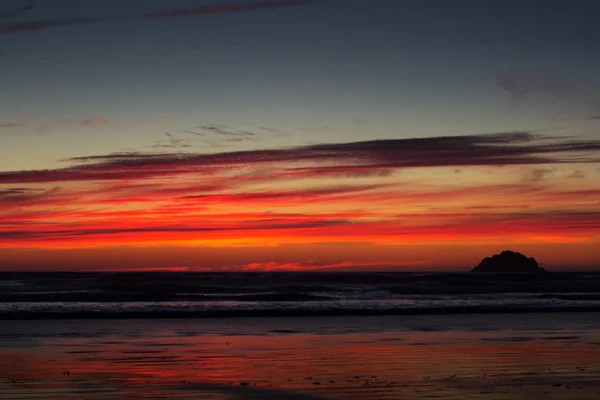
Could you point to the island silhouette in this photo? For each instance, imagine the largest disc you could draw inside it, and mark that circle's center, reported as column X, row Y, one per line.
column 509, row 261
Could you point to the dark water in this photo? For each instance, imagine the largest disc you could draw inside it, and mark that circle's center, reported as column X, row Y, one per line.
column 176, row 294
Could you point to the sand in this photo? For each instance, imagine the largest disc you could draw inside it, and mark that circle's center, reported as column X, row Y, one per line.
column 527, row 356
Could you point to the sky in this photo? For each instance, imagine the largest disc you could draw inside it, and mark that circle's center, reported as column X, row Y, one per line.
column 298, row 135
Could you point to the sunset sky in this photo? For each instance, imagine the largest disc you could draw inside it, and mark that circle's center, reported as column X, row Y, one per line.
column 298, row 134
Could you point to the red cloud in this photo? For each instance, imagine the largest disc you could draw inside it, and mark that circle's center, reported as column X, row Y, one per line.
column 283, row 197
column 107, row 228
column 315, row 266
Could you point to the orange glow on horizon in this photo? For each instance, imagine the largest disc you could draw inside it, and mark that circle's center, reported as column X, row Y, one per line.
column 270, row 205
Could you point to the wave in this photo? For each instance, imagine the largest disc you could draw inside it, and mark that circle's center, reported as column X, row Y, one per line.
column 203, row 295
column 112, row 297
column 158, row 285
column 280, row 297
column 571, row 296
column 278, row 312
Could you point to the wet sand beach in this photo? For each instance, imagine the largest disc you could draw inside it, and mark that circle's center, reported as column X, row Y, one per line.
column 505, row 356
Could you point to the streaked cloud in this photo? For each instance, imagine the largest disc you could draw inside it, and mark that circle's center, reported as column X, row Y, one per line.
column 28, row 26
column 320, row 266
column 99, row 120
column 521, row 85
column 577, row 174
column 172, row 142
column 47, row 127
column 532, row 227
column 539, row 174
column 164, row 229
column 502, row 149
column 273, row 197
column 19, row 194
column 224, row 8
column 323, row 193
column 11, row 13
column 12, row 125
column 230, row 7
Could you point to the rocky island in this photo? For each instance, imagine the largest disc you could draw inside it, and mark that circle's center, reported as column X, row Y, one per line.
column 508, row 262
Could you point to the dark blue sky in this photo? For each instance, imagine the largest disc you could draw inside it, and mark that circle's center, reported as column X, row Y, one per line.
column 330, row 70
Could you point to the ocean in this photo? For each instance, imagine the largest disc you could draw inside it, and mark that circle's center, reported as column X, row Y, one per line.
column 37, row 295
column 299, row 336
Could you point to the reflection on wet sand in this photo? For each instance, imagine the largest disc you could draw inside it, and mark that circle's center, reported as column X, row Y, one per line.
column 447, row 357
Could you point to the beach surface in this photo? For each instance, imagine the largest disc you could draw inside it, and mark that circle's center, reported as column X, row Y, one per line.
column 491, row 356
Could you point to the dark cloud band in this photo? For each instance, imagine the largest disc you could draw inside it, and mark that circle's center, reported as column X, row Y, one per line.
column 358, row 158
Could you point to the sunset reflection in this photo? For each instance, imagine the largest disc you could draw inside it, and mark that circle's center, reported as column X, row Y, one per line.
column 175, row 358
